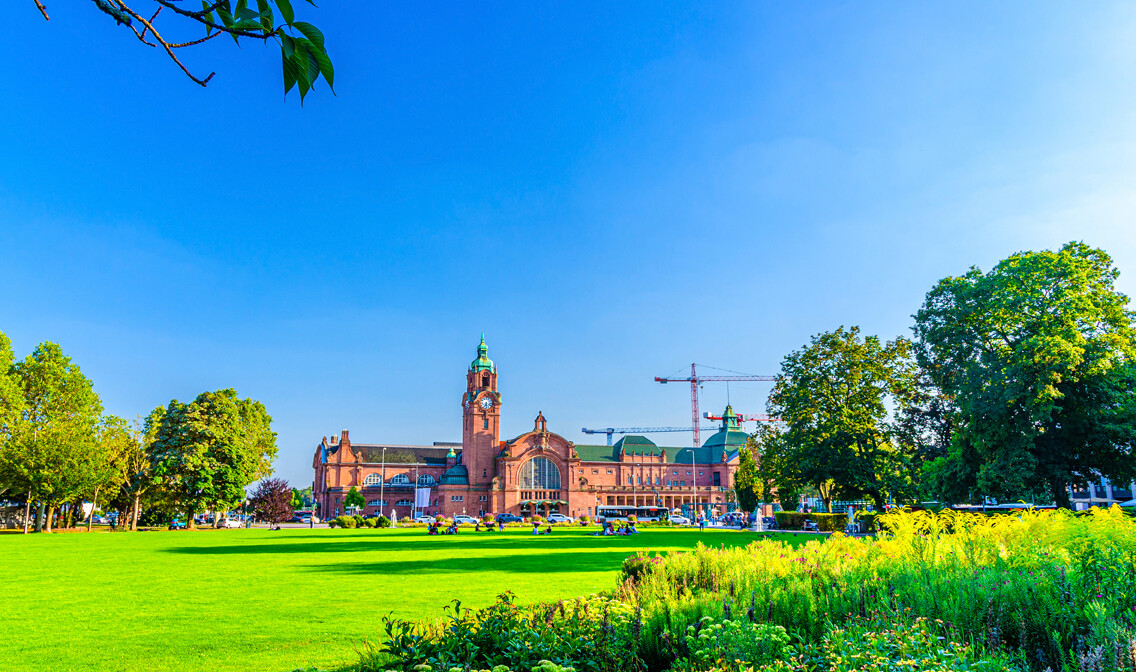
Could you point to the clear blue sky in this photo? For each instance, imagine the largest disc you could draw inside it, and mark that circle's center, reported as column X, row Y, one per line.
column 610, row 193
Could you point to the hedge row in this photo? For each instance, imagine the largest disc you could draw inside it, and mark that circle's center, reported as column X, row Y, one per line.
column 826, row 522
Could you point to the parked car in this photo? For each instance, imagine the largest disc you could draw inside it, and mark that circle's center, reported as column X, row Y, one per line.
column 230, row 524
column 560, row 518
column 425, row 519
column 462, row 519
column 301, row 518
column 680, row 520
column 177, row 525
column 508, row 518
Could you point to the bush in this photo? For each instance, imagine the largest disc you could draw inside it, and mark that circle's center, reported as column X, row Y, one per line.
column 359, row 520
column 585, row 519
column 382, row 521
column 636, row 565
column 594, row 634
column 346, row 522
column 369, row 522
column 488, row 519
column 731, row 645
column 826, row 522
column 633, row 518
column 1048, row 585
column 869, row 520
column 332, row 523
column 536, row 519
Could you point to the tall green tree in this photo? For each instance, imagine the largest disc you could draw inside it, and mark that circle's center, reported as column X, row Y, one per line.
column 746, row 484
column 49, row 455
column 834, row 396
column 106, row 467
column 353, row 499
column 206, row 452
column 1037, row 356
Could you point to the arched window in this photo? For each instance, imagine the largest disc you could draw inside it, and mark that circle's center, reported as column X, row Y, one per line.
column 400, row 479
column 426, row 481
column 539, row 473
column 372, row 479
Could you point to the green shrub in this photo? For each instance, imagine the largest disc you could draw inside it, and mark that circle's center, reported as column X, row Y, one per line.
column 826, row 522
column 488, row 519
column 636, row 565
column 921, row 645
column 594, row 634
column 346, row 522
column 731, row 645
column 369, row 522
column 869, row 521
column 359, row 520
column 382, row 521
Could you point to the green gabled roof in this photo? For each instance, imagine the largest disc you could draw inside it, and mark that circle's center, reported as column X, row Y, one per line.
column 675, row 455
column 637, row 444
column 597, row 453
column 726, row 438
column 699, row 455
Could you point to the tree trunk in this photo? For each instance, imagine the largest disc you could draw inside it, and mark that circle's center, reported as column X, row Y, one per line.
column 218, row 516
column 134, row 514
column 27, row 511
column 39, row 517
column 47, row 519
column 189, row 524
column 1061, row 494
column 94, row 505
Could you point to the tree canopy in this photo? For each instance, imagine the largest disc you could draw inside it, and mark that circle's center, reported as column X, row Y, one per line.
column 207, row 451
column 1037, row 358
column 834, row 396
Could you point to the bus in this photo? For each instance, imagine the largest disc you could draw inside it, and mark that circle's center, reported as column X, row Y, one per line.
column 641, row 513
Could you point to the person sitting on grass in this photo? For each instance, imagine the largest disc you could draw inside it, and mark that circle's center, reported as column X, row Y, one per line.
column 536, row 528
column 548, row 530
column 631, row 528
column 500, row 526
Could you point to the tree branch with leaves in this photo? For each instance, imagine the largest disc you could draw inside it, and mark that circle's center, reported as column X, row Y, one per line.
column 303, row 55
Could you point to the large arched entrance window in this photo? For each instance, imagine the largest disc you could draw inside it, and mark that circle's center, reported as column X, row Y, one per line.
column 372, row 480
column 539, row 473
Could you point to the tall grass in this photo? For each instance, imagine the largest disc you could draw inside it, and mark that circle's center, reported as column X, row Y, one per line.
column 1055, row 588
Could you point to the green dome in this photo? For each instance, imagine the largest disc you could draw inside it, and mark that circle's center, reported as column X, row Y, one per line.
column 483, row 363
column 455, row 475
column 730, row 435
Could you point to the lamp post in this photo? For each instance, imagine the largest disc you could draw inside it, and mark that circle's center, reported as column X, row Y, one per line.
column 382, row 480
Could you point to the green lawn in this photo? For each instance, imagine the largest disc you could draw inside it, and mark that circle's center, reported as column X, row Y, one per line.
column 251, row 600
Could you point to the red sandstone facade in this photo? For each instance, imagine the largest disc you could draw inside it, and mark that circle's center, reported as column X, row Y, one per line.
column 536, row 472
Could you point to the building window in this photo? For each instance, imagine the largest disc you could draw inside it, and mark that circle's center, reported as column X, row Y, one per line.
column 404, row 502
column 688, row 473
column 717, row 478
column 639, row 480
column 700, row 473
column 485, row 423
column 668, row 483
column 376, row 502
column 485, row 380
column 629, row 480
column 426, row 481
column 596, row 471
column 609, row 471
column 372, row 479
column 400, row 479
column 658, row 480
column 682, row 484
column 539, row 473
column 676, row 473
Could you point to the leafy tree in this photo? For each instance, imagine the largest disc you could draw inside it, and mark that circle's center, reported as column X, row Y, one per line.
column 302, row 52
column 297, row 499
column 834, row 395
column 105, row 467
column 1037, row 357
column 53, row 443
column 272, row 500
column 777, row 476
column 746, row 484
column 353, row 499
column 206, row 452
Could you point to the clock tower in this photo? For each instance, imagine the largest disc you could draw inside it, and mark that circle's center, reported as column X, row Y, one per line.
column 481, row 418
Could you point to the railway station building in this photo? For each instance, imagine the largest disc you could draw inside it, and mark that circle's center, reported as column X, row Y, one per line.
column 537, row 472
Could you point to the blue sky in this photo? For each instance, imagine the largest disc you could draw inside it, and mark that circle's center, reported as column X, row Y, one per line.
column 609, row 192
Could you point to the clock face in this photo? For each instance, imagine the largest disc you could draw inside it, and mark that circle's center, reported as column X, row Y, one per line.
column 486, row 403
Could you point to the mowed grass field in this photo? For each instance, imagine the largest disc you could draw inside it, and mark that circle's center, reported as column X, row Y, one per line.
column 253, row 600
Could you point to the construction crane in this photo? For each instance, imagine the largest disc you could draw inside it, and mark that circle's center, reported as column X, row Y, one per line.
column 744, row 418
column 696, row 380
column 638, row 430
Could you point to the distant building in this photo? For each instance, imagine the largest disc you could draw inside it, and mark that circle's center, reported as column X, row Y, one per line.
column 536, row 472
column 1101, row 493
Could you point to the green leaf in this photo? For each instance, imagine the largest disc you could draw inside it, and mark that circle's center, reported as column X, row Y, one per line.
column 288, row 45
column 286, row 12
column 300, row 61
column 242, row 5
column 310, row 32
column 226, row 17
column 208, row 16
column 266, row 18
column 313, row 67
column 324, row 66
column 289, row 70
column 247, row 14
